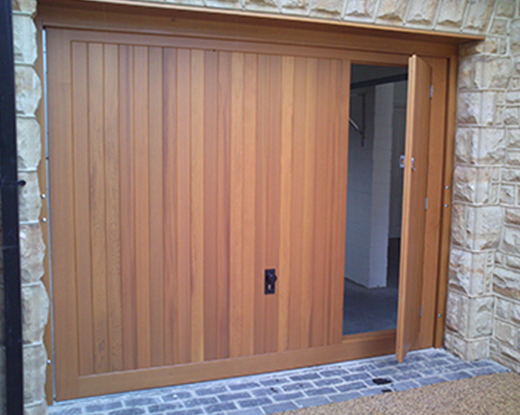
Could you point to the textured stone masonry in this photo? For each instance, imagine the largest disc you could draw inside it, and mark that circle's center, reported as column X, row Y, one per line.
column 484, row 290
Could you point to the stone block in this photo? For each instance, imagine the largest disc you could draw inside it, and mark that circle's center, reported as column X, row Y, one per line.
column 29, row 197
column 506, row 333
column 511, row 175
column 457, row 312
column 506, row 282
column 491, row 147
column 327, row 7
column 451, row 13
column 491, row 44
column 28, row 139
column 480, row 317
column 361, row 9
column 35, row 364
column 514, row 37
column 513, row 158
column 295, row 6
column 422, row 12
column 35, row 312
column 476, row 108
column 513, row 138
column 27, row 6
column 477, row 349
column 493, row 72
column 28, row 90
column 465, row 78
column 512, row 115
column 39, row 408
column 515, row 312
column 259, row 5
column 503, row 308
column 499, row 27
column 24, row 39
column 481, row 227
column 513, row 97
column 513, row 216
column 507, row 194
column 511, row 241
column 392, row 11
column 32, row 253
column 458, row 224
column 505, row 8
column 478, row 15
column 475, row 185
column 471, row 272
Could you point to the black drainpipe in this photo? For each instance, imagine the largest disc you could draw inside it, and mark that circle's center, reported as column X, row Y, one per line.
column 9, row 195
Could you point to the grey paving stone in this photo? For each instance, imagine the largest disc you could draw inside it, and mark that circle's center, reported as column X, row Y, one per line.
column 241, row 386
column 412, row 374
column 315, row 401
column 459, row 366
column 250, row 403
column 102, row 406
column 434, row 371
column 216, row 390
column 75, row 410
column 193, row 411
column 306, row 376
column 329, row 381
column 220, row 407
column 342, row 397
column 176, row 395
column 287, row 396
column 357, row 376
column 249, row 411
column 430, row 380
column 320, row 391
column 274, row 382
column 141, row 402
column 191, row 403
column 385, row 372
column 165, row 407
column 333, row 372
column 405, row 385
column 127, row 411
column 266, row 391
column 482, row 371
column 363, row 368
column 351, row 386
column 233, row 396
column 279, row 407
column 372, row 391
column 297, row 386
column 457, row 375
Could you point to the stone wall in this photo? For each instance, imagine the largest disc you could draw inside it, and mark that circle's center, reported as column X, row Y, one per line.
column 35, row 303
column 485, row 258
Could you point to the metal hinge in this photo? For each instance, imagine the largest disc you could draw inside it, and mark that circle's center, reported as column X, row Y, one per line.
column 426, row 204
column 420, row 314
column 431, row 91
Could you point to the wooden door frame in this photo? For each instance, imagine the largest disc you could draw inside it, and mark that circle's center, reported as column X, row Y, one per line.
column 365, row 44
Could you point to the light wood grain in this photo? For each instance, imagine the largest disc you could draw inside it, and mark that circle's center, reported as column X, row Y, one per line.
column 414, row 214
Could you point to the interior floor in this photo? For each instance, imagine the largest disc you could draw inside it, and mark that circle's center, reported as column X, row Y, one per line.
column 373, row 309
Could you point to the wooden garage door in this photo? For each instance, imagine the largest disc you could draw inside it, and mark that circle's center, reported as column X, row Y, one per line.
column 180, row 169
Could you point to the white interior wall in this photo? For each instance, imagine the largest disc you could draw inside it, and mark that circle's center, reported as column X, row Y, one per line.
column 374, row 195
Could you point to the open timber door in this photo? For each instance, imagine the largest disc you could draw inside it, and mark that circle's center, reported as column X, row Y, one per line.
column 180, row 170
column 414, row 205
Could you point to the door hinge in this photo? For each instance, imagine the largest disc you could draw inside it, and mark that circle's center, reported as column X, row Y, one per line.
column 426, row 204
column 431, row 91
column 420, row 313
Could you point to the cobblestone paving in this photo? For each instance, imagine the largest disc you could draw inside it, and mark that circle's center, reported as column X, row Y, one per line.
column 282, row 391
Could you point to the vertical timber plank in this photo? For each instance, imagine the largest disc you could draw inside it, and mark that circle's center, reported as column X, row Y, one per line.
column 156, row 186
column 82, row 206
column 113, row 229
column 197, row 205
column 97, row 205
